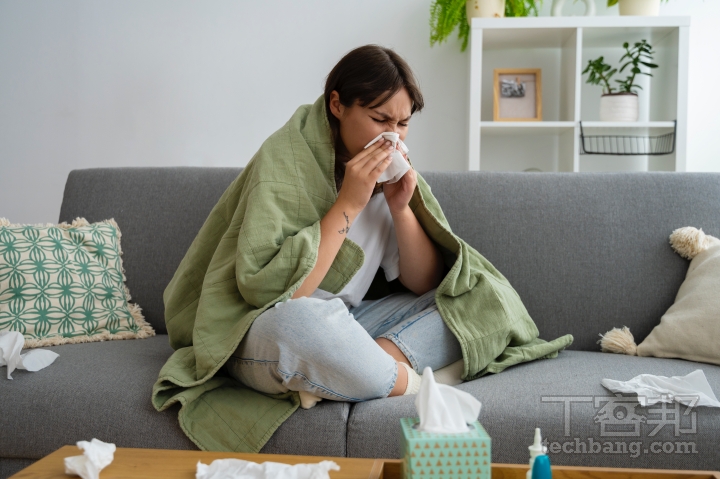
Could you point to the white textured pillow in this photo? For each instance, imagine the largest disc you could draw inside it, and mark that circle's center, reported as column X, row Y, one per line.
column 690, row 329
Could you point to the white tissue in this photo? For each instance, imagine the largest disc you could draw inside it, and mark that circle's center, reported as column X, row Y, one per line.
column 691, row 390
column 11, row 343
column 97, row 455
column 442, row 408
column 399, row 165
column 240, row 469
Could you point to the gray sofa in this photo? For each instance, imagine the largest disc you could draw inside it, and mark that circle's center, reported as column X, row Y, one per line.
column 586, row 252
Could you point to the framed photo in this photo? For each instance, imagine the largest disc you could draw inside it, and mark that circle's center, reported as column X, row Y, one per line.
column 518, row 94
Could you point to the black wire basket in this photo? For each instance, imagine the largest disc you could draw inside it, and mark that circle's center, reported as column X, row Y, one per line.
column 624, row 145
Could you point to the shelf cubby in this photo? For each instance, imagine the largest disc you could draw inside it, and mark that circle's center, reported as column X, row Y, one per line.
column 561, row 47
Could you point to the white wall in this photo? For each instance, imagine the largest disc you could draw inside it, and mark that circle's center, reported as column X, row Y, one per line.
column 177, row 82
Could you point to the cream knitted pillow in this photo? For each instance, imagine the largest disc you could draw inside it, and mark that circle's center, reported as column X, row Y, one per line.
column 690, row 329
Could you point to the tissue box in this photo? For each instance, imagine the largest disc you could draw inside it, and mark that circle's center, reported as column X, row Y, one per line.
column 447, row 456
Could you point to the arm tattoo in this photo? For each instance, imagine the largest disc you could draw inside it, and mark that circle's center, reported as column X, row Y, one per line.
column 347, row 225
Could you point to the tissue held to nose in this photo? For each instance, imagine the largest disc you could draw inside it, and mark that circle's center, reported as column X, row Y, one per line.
column 399, row 166
column 444, row 409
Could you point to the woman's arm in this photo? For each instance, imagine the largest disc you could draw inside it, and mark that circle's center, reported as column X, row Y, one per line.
column 421, row 266
column 361, row 173
column 333, row 230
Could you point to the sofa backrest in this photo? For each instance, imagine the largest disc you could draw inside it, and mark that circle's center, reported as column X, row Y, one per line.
column 159, row 212
column 586, row 251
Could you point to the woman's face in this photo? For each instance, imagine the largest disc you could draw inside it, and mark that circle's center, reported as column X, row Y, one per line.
column 359, row 125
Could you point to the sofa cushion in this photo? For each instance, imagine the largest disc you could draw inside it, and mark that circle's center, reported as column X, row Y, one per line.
column 691, row 327
column 541, row 393
column 580, row 248
column 102, row 390
column 585, row 251
column 158, row 210
column 8, row 467
column 62, row 284
column 99, row 390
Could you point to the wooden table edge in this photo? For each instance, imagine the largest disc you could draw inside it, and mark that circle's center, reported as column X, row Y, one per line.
column 51, row 466
column 618, row 470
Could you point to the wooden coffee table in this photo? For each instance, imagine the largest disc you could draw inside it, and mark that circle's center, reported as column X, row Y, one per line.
column 161, row 464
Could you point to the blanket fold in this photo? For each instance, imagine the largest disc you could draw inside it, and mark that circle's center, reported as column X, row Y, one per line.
column 256, row 248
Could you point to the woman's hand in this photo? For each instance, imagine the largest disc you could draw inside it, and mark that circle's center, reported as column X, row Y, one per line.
column 361, row 175
column 398, row 194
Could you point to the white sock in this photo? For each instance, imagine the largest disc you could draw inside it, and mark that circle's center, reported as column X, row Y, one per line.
column 308, row 399
column 450, row 374
column 413, row 384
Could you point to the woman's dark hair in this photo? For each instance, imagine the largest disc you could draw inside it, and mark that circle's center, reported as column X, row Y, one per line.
column 370, row 75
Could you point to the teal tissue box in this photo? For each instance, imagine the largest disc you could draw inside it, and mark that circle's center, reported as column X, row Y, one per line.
column 447, row 456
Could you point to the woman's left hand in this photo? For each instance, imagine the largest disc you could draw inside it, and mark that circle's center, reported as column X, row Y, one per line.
column 398, row 194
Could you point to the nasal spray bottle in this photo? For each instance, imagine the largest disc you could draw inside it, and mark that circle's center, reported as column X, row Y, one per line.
column 539, row 462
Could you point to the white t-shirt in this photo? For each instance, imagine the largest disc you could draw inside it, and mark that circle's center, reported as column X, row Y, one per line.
column 374, row 231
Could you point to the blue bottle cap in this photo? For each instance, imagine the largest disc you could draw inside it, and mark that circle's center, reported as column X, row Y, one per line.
column 541, row 467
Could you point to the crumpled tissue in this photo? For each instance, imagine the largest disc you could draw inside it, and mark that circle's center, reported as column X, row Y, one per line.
column 691, row 390
column 399, row 165
column 11, row 343
column 97, row 455
column 444, row 409
column 240, row 469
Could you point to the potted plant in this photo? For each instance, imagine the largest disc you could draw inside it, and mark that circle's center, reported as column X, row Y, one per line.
column 621, row 105
column 637, row 7
column 557, row 7
column 485, row 8
column 446, row 15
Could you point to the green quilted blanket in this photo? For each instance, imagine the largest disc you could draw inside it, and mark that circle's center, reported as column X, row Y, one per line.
column 256, row 247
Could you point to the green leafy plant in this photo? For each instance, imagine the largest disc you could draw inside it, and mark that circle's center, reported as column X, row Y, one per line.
column 446, row 15
column 522, row 8
column 600, row 73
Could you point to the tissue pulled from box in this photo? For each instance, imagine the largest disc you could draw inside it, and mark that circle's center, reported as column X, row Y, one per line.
column 691, row 390
column 241, row 469
column 444, row 409
column 399, row 165
column 97, row 455
column 11, row 343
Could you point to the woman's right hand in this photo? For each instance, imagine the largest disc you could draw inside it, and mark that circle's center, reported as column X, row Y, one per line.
column 362, row 173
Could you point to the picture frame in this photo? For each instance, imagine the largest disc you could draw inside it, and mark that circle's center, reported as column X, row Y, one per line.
column 517, row 94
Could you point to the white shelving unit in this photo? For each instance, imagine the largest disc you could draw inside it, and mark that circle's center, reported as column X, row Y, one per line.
column 561, row 47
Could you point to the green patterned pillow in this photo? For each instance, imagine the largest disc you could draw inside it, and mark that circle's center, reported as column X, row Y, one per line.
column 65, row 283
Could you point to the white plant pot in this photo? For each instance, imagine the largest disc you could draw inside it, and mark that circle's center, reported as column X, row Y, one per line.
column 619, row 107
column 648, row 8
column 557, row 7
column 485, row 9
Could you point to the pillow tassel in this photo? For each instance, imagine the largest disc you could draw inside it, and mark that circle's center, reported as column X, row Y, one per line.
column 620, row 341
column 689, row 242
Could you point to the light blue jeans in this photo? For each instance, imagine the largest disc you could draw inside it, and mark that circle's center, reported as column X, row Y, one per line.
column 323, row 347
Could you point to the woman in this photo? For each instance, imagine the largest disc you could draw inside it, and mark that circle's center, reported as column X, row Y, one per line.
column 337, row 346
column 272, row 288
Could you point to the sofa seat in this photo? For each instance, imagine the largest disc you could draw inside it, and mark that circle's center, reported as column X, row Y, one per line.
column 102, row 390
column 513, row 405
